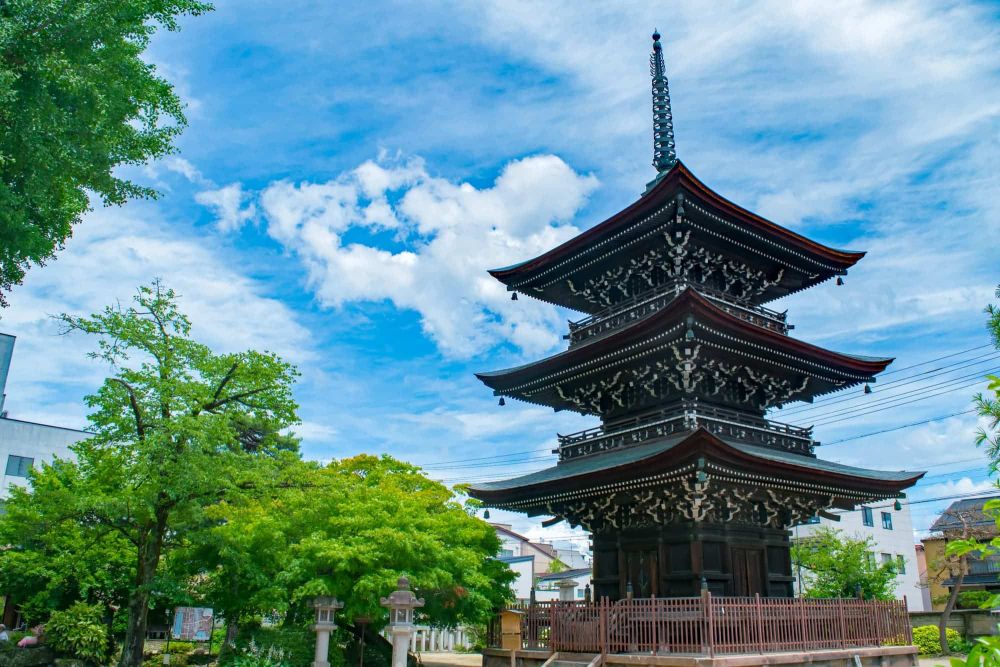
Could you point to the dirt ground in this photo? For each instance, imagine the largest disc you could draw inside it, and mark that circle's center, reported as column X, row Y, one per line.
column 451, row 659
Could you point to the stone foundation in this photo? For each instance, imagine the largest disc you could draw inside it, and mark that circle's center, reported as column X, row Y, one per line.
column 884, row 656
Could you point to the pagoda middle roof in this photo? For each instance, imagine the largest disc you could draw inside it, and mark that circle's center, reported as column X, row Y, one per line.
column 585, row 249
column 671, row 321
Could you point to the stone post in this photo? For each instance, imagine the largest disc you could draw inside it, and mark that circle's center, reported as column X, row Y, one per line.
column 325, row 609
column 401, row 604
column 567, row 590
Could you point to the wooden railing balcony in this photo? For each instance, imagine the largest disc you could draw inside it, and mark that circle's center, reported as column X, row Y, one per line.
column 637, row 307
column 683, row 417
column 709, row 625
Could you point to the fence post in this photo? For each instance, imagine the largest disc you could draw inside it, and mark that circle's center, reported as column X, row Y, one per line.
column 602, row 627
column 760, row 622
column 907, row 626
column 708, row 636
column 843, row 623
column 802, row 622
column 552, row 626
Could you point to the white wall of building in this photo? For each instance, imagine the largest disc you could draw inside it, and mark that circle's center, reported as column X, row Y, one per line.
column 523, row 567
column 23, row 444
column 21, row 440
column 895, row 542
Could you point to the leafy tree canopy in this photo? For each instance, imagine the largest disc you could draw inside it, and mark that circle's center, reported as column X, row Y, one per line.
column 841, row 567
column 76, row 101
column 350, row 529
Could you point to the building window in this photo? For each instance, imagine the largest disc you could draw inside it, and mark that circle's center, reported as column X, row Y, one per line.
column 886, row 559
column 579, row 593
column 506, row 553
column 866, row 516
column 900, row 564
column 18, row 466
column 887, row 520
column 871, row 559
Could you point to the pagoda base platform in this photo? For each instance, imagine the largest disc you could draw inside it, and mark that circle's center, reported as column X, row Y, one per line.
column 879, row 656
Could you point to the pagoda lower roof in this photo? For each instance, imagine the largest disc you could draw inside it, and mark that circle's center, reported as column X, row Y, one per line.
column 643, row 465
column 819, row 262
column 710, row 323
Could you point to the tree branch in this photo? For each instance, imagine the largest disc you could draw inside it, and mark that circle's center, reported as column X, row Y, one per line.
column 140, row 425
column 218, row 403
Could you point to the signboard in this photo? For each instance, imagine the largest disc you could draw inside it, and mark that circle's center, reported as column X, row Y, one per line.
column 193, row 624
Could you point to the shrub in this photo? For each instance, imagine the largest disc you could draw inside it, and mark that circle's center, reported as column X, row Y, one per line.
column 928, row 639
column 272, row 646
column 78, row 632
column 973, row 599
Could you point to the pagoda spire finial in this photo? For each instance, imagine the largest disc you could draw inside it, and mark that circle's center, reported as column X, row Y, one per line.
column 664, row 150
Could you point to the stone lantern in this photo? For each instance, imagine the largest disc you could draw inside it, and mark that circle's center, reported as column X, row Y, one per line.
column 401, row 604
column 325, row 608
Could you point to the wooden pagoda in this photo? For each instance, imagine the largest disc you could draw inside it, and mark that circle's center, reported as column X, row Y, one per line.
column 685, row 485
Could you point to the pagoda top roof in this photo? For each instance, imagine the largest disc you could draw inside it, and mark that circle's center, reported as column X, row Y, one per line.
column 656, row 457
column 670, row 321
column 826, row 261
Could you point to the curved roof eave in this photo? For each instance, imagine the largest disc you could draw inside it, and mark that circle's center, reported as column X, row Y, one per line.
column 679, row 174
column 680, row 449
column 690, row 296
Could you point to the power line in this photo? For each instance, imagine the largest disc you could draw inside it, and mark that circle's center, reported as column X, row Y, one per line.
column 931, row 361
column 896, row 384
column 897, row 428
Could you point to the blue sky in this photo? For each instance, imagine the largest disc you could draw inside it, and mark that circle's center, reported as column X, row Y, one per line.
column 350, row 172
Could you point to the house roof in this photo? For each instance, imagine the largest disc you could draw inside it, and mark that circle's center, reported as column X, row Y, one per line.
column 565, row 574
column 515, row 559
column 965, row 514
column 546, row 549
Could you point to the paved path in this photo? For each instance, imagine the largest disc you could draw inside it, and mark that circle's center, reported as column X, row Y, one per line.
column 450, row 659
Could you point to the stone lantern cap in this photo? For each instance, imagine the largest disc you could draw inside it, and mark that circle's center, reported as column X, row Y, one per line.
column 402, row 597
column 327, row 602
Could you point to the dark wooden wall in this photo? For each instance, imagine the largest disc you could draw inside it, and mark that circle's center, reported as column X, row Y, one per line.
column 671, row 561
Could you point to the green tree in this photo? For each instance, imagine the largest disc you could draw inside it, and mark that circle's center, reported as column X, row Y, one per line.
column 54, row 559
column 350, row 529
column 988, row 404
column 842, row 567
column 76, row 101
column 166, row 439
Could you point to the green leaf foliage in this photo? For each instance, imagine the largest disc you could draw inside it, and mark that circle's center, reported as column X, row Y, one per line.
column 988, row 403
column 351, row 529
column 928, row 639
column 78, row 632
column 167, row 446
column 839, row 567
column 77, row 100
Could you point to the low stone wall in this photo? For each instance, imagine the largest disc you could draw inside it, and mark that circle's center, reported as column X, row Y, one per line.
column 967, row 622
column 885, row 656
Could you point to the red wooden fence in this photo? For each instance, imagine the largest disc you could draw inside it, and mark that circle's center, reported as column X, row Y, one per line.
column 709, row 625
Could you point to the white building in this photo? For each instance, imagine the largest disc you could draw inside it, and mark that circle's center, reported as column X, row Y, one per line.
column 891, row 532
column 549, row 586
column 24, row 444
column 524, row 568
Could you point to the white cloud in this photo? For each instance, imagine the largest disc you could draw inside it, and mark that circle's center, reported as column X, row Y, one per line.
column 960, row 487
column 446, row 236
column 227, row 203
column 110, row 254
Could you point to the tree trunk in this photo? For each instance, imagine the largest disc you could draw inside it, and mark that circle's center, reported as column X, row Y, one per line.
column 138, row 602
column 950, row 605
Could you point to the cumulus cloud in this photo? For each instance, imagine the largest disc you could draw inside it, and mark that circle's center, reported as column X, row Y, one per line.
column 442, row 238
column 227, row 203
column 111, row 253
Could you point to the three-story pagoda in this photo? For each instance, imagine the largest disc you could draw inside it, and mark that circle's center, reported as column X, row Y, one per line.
column 685, row 485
